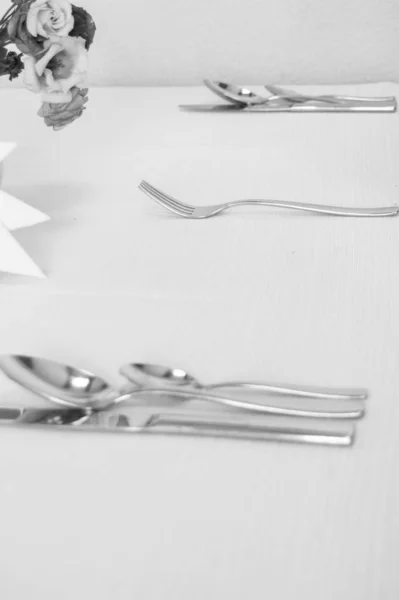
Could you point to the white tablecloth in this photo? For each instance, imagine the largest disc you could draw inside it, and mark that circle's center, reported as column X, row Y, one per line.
column 256, row 293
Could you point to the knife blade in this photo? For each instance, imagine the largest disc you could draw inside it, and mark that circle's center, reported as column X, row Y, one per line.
column 43, row 416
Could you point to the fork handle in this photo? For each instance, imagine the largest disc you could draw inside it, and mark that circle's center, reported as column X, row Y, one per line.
column 387, row 211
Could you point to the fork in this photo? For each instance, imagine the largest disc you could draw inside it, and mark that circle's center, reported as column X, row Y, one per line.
column 203, row 212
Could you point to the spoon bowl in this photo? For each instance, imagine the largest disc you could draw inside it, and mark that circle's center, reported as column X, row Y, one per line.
column 59, row 383
column 235, row 93
column 145, row 374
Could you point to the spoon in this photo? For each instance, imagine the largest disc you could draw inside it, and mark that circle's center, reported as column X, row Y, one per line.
column 244, row 97
column 144, row 374
column 235, row 93
column 74, row 387
column 147, row 376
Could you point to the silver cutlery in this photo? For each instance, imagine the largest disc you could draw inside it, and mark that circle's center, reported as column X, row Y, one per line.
column 43, row 416
column 234, row 93
column 79, row 419
column 190, row 211
column 243, row 96
column 278, row 92
column 149, row 374
column 387, row 106
column 242, row 99
column 73, row 387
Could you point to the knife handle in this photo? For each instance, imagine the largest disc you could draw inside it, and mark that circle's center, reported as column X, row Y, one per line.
column 236, row 429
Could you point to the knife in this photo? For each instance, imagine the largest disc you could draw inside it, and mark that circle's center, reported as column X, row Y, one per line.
column 80, row 419
column 377, row 105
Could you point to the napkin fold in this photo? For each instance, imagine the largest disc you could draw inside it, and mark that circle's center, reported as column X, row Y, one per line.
column 15, row 214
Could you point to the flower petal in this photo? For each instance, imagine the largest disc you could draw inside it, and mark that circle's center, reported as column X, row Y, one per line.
column 43, row 62
column 31, row 21
column 56, row 97
column 58, row 116
column 30, row 78
column 42, row 23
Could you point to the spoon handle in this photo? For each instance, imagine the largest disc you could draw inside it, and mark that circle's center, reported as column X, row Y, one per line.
column 243, row 404
column 279, row 92
column 293, row 390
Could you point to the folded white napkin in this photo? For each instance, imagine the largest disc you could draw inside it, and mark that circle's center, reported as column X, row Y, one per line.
column 15, row 214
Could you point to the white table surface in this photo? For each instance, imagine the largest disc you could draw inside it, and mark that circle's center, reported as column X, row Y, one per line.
column 258, row 294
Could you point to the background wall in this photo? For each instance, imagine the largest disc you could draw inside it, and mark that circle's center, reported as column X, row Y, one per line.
column 145, row 42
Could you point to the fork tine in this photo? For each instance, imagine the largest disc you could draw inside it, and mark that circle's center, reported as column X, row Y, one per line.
column 167, row 204
column 163, row 203
column 172, row 201
column 151, row 195
column 158, row 198
column 165, row 200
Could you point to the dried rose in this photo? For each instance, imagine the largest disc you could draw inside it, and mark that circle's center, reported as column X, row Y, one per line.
column 50, row 17
column 59, row 116
column 62, row 67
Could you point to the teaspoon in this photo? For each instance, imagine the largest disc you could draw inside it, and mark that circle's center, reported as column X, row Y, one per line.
column 144, row 374
column 235, row 93
column 147, row 376
column 75, row 387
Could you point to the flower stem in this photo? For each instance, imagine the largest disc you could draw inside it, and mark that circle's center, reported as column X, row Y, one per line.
column 7, row 15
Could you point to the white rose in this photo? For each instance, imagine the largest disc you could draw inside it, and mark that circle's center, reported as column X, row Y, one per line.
column 63, row 67
column 50, row 17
